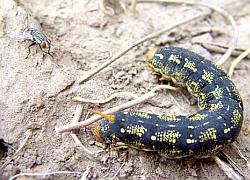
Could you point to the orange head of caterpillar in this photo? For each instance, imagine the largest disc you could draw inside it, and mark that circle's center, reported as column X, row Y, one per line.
column 149, row 57
column 154, row 60
column 102, row 129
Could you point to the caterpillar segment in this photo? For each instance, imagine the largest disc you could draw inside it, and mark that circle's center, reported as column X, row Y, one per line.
column 203, row 134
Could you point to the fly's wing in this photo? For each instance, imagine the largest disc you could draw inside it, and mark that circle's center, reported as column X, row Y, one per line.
column 20, row 36
column 35, row 24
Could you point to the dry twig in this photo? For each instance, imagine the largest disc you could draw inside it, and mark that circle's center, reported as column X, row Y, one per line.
column 102, row 101
column 28, row 135
column 220, row 48
column 44, row 174
column 242, row 156
column 218, row 10
column 118, row 170
column 85, row 174
column 126, row 105
column 231, row 174
column 237, row 60
column 232, row 163
column 76, row 118
column 247, row 130
column 136, row 43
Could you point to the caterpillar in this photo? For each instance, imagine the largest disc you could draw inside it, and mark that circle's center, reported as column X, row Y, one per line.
column 201, row 135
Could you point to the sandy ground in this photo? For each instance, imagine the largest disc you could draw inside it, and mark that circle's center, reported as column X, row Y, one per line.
column 36, row 92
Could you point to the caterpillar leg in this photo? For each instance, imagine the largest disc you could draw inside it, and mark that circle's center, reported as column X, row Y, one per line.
column 119, row 146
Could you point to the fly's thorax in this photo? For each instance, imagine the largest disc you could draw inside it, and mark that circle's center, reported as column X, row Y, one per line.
column 39, row 38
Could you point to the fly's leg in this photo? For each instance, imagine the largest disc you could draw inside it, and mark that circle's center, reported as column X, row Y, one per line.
column 29, row 49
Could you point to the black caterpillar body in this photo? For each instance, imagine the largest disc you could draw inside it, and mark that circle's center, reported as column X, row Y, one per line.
column 202, row 134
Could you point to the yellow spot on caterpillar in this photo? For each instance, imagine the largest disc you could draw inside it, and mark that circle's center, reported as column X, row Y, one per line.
column 226, row 130
column 165, row 70
column 229, row 92
column 237, row 93
column 137, row 130
column 153, row 138
column 209, row 133
column 197, row 117
column 159, row 55
column 167, row 136
column 215, row 107
column 113, row 136
column 123, row 130
column 140, row 114
column 217, row 92
column 174, row 58
column 236, row 117
column 179, row 74
column 205, row 123
column 104, row 128
column 190, row 65
column 189, row 141
column 169, row 118
column 207, row 76
column 179, row 77
column 194, row 85
column 171, row 125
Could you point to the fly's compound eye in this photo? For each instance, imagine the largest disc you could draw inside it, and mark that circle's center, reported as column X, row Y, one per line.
column 44, row 45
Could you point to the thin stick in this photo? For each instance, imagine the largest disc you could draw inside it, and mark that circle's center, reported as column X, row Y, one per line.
column 118, row 170
column 247, row 130
column 242, row 156
column 136, row 43
column 102, row 101
column 28, row 135
column 220, row 48
column 76, row 118
column 232, row 163
column 178, row 105
column 107, row 10
column 237, row 60
column 94, row 118
column 121, row 107
column 85, row 174
column 220, row 11
column 231, row 174
column 78, row 113
column 44, row 174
